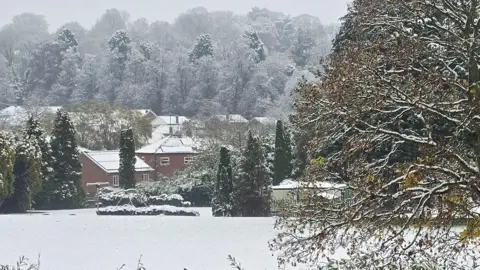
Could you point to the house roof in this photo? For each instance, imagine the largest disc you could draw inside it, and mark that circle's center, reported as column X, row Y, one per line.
column 145, row 112
column 164, row 130
column 232, row 118
column 109, row 161
column 265, row 120
column 172, row 120
column 158, row 121
column 170, row 145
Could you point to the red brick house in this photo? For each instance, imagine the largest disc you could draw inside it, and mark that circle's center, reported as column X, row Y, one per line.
column 168, row 154
column 102, row 167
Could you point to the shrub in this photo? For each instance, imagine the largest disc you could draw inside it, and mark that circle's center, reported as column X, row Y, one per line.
column 114, row 197
column 129, row 210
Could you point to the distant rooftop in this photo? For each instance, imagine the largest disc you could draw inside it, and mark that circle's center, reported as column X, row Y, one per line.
column 170, row 145
column 232, row 118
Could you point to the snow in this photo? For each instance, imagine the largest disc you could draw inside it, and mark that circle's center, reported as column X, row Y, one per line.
column 79, row 239
column 170, row 145
column 265, row 120
column 290, row 184
column 232, row 118
column 110, row 161
column 171, row 120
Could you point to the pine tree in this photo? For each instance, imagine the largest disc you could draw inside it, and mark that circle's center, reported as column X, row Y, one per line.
column 27, row 173
column 253, row 191
column 42, row 200
column 203, row 47
column 222, row 204
column 7, row 161
column 127, row 159
column 67, row 170
column 283, row 155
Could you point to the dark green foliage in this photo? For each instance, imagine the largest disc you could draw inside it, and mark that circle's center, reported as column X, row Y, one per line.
column 302, row 48
column 222, row 204
column 253, row 192
column 42, row 200
column 7, row 162
column 203, row 47
column 282, row 165
column 67, row 38
column 27, row 173
column 67, row 170
column 127, row 159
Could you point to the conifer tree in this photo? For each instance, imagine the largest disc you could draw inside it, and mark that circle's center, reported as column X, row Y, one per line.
column 67, row 170
column 7, row 160
column 256, row 44
column 253, row 192
column 283, row 155
column 222, row 203
column 127, row 159
column 42, row 200
column 27, row 173
column 203, row 47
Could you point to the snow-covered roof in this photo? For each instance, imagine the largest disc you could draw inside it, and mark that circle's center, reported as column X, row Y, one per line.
column 109, row 161
column 18, row 115
column 170, row 145
column 158, row 122
column 291, row 184
column 232, row 118
column 172, row 119
column 164, row 130
column 145, row 112
column 265, row 120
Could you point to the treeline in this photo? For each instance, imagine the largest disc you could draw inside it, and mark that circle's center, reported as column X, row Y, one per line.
column 203, row 63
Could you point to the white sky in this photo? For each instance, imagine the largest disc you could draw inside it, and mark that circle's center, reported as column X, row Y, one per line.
column 86, row 12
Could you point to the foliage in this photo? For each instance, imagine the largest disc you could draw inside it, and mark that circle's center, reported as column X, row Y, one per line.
column 127, row 159
column 7, row 161
column 283, row 158
column 203, row 47
column 253, row 184
column 222, row 201
column 395, row 117
column 98, row 125
column 67, row 170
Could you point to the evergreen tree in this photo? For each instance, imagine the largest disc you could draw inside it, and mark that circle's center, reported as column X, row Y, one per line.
column 127, row 159
column 67, row 170
column 67, row 38
column 283, row 155
column 222, row 203
column 27, row 173
column 203, row 47
column 256, row 44
column 43, row 197
column 302, row 48
column 253, row 192
column 7, row 160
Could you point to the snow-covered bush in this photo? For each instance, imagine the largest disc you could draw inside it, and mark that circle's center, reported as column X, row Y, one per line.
column 112, row 197
column 154, row 210
column 164, row 199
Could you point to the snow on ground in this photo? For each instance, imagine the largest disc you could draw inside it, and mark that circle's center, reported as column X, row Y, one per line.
column 81, row 240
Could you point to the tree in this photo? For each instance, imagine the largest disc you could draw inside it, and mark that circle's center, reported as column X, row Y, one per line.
column 42, row 200
column 203, row 47
column 27, row 172
column 253, row 191
column 283, row 155
column 302, row 48
column 7, row 161
column 395, row 118
column 222, row 203
column 67, row 170
column 127, row 159
column 256, row 44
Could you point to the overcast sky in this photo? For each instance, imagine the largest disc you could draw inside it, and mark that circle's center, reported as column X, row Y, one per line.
column 86, row 12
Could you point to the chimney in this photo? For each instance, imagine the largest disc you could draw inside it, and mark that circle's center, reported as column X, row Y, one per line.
column 171, row 130
column 176, row 119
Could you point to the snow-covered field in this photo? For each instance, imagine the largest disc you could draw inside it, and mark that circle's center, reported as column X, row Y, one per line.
column 81, row 240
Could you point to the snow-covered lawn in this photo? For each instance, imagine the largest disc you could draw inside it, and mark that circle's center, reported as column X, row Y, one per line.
column 81, row 240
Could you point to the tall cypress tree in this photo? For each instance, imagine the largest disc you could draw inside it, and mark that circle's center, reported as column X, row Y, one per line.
column 222, row 203
column 253, row 192
column 42, row 200
column 27, row 173
column 127, row 159
column 67, row 170
column 282, row 164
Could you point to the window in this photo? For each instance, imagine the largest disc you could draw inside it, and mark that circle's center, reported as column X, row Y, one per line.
column 116, row 183
column 188, row 160
column 145, row 178
column 164, row 161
